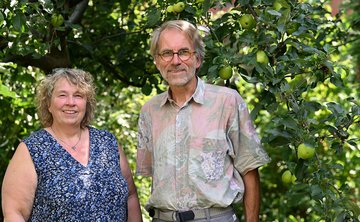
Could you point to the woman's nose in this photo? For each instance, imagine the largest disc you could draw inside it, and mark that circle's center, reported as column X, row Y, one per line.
column 70, row 100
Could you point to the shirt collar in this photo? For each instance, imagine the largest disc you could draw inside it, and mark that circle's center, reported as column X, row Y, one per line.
column 198, row 95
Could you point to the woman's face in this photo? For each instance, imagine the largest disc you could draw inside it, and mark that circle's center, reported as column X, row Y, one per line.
column 67, row 104
column 176, row 72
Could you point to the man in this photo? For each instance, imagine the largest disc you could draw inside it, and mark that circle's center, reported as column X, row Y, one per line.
column 196, row 140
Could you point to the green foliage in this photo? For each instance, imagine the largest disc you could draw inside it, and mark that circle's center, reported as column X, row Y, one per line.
column 17, row 111
column 351, row 15
column 306, row 93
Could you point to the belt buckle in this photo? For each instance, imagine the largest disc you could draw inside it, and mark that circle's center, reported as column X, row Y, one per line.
column 185, row 215
column 151, row 212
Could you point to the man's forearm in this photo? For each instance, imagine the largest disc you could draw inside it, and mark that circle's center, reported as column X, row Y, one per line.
column 252, row 196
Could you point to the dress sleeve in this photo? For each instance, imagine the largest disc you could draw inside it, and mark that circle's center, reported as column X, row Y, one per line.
column 248, row 153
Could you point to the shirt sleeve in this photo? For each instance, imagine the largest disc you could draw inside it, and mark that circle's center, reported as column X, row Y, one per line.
column 144, row 157
column 248, row 153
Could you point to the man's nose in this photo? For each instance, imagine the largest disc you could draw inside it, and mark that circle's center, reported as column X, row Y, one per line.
column 176, row 59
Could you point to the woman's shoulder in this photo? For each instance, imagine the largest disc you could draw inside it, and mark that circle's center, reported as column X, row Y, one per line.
column 100, row 132
column 39, row 141
column 35, row 135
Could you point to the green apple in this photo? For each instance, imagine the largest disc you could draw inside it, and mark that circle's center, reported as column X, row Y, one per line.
column 247, row 21
column 286, row 177
column 261, row 57
column 225, row 72
column 305, row 152
column 179, row 7
column 57, row 20
column 277, row 5
column 170, row 9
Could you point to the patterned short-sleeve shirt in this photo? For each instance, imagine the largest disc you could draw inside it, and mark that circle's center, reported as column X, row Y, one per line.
column 197, row 153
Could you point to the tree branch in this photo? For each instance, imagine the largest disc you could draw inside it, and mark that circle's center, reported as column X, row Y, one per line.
column 46, row 63
column 78, row 12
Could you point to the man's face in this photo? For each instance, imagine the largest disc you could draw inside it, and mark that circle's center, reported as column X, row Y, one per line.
column 176, row 72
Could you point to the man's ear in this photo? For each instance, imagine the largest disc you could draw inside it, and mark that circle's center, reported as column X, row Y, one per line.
column 198, row 61
column 156, row 64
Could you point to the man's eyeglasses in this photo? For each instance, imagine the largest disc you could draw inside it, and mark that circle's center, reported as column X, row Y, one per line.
column 168, row 55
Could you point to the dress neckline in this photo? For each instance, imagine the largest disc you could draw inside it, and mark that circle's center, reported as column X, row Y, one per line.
column 68, row 153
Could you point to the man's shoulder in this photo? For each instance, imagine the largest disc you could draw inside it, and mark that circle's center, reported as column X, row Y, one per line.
column 220, row 90
column 156, row 100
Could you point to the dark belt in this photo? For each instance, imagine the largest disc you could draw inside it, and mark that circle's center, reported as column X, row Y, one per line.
column 182, row 216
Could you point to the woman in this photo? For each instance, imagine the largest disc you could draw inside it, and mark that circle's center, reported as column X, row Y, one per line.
column 69, row 171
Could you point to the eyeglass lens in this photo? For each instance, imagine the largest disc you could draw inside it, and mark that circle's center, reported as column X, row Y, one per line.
column 183, row 54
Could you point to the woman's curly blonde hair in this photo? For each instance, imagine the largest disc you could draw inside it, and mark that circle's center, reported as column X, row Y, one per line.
column 82, row 79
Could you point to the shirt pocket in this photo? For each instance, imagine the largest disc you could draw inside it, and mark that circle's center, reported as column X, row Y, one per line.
column 208, row 159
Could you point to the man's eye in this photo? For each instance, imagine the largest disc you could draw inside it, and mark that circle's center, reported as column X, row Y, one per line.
column 167, row 53
column 184, row 52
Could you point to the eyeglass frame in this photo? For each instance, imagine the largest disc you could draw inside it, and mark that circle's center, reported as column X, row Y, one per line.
column 191, row 53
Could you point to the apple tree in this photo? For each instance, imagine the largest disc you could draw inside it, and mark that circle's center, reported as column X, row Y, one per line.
column 285, row 57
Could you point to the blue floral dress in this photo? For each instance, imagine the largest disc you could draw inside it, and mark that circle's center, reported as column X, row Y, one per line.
column 70, row 191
